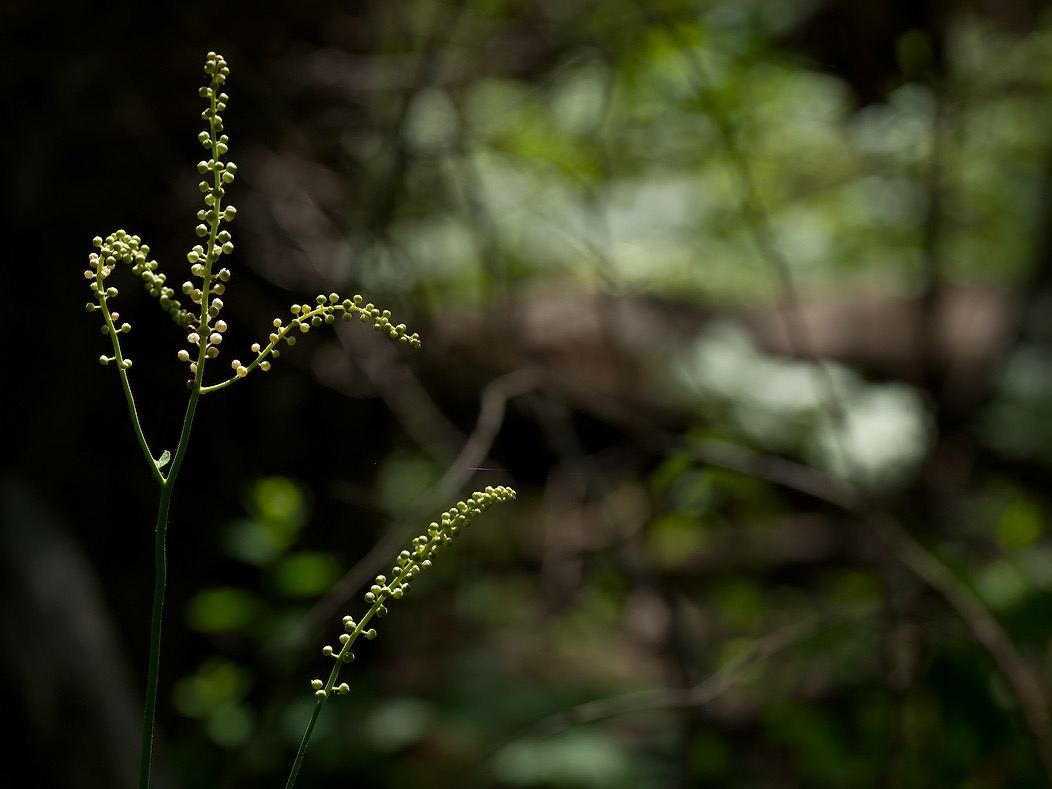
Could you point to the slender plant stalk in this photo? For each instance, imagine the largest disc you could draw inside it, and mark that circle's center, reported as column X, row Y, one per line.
column 302, row 750
column 154, row 667
column 160, row 583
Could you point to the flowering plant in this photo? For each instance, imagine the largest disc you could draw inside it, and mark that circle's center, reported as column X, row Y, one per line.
column 204, row 330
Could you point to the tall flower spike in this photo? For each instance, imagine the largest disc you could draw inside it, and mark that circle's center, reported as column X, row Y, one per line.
column 203, row 258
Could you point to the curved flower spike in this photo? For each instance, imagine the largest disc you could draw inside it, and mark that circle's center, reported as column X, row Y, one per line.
column 305, row 317
column 408, row 564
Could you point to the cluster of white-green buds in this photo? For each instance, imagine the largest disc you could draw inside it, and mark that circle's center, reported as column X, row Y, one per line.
column 123, row 247
column 120, row 247
column 408, row 565
column 209, row 285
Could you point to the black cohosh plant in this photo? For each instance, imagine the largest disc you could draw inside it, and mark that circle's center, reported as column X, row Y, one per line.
column 204, row 329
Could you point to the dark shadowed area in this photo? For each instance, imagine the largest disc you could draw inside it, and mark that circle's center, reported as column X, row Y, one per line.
column 751, row 301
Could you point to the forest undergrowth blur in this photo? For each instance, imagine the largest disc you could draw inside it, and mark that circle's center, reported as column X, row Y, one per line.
column 748, row 300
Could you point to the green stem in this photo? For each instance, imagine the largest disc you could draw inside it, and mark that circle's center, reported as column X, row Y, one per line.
column 155, row 469
column 342, row 657
column 160, row 581
column 122, row 371
column 302, row 751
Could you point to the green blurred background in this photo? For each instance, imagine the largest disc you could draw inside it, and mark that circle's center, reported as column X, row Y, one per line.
column 750, row 301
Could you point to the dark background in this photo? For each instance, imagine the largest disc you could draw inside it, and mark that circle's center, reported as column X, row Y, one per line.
column 756, row 571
